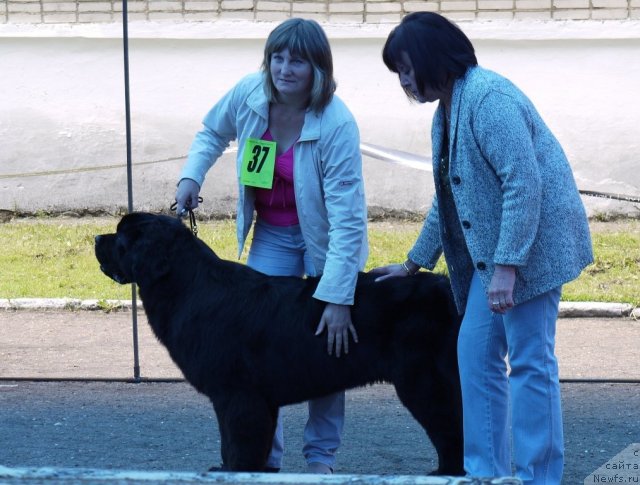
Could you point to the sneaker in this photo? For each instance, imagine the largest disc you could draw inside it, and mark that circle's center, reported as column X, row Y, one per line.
column 319, row 468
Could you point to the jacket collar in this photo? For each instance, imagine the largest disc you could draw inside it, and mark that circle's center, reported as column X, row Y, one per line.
column 437, row 132
column 438, row 118
column 257, row 101
column 311, row 127
column 456, row 97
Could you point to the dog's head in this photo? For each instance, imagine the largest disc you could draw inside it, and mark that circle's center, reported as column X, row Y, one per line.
column 141, row 248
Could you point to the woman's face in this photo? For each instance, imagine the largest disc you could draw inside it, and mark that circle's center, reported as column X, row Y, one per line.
column 408, row 81
column 291, row 75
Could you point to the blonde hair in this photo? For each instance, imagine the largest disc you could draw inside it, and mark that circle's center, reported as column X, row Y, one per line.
column 306, row 39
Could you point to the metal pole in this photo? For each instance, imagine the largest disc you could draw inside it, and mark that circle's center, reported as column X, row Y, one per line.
column 134, row 305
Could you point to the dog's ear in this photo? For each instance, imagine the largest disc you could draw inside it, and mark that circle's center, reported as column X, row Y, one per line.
column 149, row 268
column 151, row 242
column 145, row 245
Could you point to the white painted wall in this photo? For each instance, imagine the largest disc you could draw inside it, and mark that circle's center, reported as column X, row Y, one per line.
column 62, row 106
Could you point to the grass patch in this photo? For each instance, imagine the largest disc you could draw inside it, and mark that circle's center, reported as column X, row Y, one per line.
column 54, row 258
column 615, row 274
column 390, row 241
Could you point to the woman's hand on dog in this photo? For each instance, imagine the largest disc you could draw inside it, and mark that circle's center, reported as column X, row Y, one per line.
column 389, row 271
column 337, row 320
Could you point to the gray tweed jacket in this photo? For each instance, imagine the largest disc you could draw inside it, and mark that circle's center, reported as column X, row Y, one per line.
column 516, row 201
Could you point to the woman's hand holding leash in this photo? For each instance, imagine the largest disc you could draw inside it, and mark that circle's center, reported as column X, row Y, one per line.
column 186, row 196
column 187, row 199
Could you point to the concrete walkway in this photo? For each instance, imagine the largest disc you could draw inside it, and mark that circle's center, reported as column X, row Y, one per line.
column 45, row 343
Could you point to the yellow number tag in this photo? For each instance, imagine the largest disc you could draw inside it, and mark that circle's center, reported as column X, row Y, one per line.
column 258, row 162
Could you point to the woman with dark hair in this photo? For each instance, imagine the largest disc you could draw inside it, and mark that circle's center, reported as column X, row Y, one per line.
column 508, row 217
column 300, row 170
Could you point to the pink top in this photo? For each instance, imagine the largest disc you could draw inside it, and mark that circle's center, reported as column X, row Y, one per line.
column 277, row 205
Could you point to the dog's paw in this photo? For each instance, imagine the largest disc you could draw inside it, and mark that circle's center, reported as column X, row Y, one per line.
column 440, row 473
column 266, row 469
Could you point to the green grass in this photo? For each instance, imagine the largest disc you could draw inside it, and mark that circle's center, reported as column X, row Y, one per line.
column 615, row 274
column 53, row 258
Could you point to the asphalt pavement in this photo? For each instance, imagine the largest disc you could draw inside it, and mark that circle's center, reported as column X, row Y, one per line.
column 67, row 403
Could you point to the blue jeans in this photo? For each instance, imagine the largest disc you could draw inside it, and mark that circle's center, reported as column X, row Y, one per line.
column 280, row 251
column 524, row 403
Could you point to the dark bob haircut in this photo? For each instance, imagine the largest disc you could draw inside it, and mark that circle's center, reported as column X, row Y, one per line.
column 439, row 51
column 306, row 39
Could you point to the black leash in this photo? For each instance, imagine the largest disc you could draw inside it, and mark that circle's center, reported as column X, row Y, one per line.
column 192, row 216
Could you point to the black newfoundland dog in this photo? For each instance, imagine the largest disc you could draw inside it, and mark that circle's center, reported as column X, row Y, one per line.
column 246, row 340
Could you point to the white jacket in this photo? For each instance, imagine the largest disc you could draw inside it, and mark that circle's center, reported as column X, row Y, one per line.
column 328, row 183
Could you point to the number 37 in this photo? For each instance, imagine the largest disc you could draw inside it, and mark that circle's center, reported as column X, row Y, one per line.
column 260, row 154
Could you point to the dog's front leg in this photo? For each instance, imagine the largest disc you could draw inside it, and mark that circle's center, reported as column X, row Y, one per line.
column 247, row 424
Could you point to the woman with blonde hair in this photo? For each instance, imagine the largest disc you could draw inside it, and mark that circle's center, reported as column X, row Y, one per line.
column 300, row 173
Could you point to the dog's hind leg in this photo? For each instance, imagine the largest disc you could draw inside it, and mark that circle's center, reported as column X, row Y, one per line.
column 247, row 424
column 437, row 407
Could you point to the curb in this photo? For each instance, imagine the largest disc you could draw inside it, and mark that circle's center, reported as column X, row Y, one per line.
column 70, row 304
column 568, row 309
column 586, row 309
column 83, row 475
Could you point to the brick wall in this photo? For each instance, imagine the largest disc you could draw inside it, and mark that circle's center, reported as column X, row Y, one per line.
column 359, row 11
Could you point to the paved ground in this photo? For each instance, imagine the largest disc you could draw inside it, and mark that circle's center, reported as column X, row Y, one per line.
column 168, row 426
column 94, row 344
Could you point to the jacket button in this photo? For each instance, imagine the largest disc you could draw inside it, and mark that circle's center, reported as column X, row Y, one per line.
column 466, row 224
column 481, row 266
column 456, row 180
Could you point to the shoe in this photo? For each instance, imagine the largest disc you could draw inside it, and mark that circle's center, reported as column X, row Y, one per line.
column 266, row 469
column 319, row 468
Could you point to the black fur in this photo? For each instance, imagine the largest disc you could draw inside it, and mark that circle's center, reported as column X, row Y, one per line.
column 246, row 340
